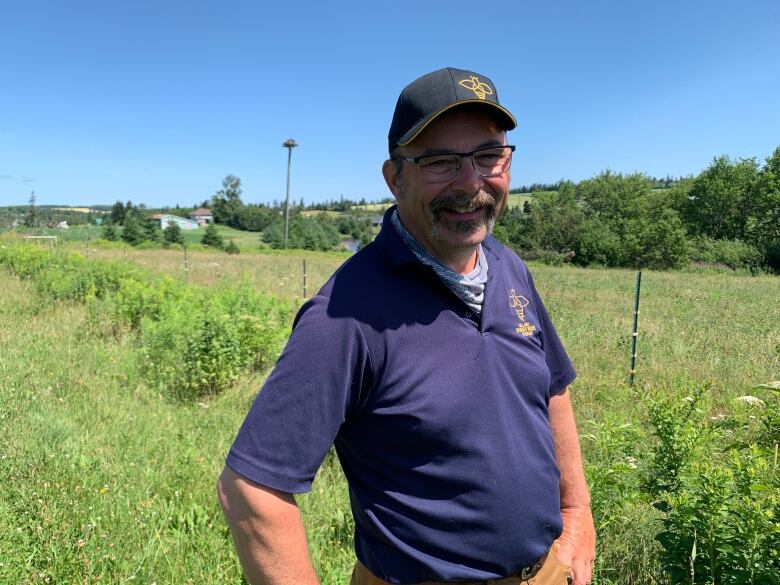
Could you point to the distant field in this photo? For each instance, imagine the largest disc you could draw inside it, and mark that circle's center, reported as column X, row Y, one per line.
column 77, row 209
column 515, row 200
column 378, row 207
column 518, row 199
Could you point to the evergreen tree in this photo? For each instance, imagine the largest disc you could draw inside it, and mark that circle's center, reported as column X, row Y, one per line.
column 132, row 233
column 110, row 233
column 232, row 248
column 118, row 213
column 31, row 217
column 211, row 238
column 151, row 229
column 172, row 234
column 130, row 210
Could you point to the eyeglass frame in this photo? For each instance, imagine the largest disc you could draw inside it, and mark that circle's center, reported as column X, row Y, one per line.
column 415, row 160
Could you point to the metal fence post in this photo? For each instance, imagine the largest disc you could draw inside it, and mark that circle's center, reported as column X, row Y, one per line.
column 635, row 334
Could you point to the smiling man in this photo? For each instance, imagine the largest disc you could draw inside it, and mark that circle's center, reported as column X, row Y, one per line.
column 430, row 363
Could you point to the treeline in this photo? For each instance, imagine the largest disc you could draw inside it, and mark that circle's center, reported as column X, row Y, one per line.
column 666, row 183
column 727, row 215
column 133, row 225
column 34, row 216
column 316, row 232
column 346, row 204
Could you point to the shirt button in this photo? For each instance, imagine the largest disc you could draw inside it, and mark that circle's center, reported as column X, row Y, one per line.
column 468, row 314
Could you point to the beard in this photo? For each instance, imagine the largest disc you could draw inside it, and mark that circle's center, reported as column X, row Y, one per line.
column 458, row 201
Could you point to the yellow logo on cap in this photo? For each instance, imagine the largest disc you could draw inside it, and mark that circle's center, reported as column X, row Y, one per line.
column 480, row 88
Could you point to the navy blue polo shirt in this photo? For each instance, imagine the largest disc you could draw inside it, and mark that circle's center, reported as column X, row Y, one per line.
column 439, row 417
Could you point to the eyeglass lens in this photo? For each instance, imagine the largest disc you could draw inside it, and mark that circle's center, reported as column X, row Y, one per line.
column 489, row 162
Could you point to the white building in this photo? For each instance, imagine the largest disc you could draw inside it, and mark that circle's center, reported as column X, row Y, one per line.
column 166, row 218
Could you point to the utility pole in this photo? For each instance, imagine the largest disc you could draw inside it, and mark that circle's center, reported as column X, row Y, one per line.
column 289, row 144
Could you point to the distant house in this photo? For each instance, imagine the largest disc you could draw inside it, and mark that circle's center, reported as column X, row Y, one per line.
column 166, row 218
column 202, row 215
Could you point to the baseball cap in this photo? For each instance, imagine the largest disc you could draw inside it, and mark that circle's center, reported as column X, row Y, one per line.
column 429, row 96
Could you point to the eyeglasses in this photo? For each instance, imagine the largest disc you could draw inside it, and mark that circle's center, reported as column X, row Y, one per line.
column 443, row 168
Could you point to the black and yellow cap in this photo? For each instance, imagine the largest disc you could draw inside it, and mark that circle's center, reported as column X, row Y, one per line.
column 424, row 99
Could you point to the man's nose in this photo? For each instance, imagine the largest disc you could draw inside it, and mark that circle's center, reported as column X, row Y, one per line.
column 468, row 179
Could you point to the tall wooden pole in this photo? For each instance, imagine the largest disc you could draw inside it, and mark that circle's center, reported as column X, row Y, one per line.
column 289, row 144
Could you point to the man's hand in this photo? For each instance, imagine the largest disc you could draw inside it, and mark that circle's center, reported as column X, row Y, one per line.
column 576, row 546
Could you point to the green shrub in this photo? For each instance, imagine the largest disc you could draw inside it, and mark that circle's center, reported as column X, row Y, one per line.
column 24, row 260
column 732, row 253
column 719, row 496
column 191, row 341
column 315, row 233
column 200, row 345
column 211, row 238
column 73, row 278
column 598, row 244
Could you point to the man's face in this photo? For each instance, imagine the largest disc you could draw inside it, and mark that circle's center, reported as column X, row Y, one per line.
column 450, row 219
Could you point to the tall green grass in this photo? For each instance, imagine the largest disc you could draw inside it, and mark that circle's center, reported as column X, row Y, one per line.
column 111, row 480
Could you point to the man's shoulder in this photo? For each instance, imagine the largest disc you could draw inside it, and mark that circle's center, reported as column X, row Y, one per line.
column 365, row 270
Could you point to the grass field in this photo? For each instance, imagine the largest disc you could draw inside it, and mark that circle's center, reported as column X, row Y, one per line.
column 107, row 481
column 274, row 272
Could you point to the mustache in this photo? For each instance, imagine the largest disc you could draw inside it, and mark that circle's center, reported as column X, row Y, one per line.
column 483, row 198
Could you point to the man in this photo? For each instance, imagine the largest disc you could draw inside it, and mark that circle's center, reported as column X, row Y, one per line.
column 430, row 361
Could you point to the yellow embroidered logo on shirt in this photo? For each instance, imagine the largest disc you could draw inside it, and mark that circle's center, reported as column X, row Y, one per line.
column 479, row 88
column 519, row 303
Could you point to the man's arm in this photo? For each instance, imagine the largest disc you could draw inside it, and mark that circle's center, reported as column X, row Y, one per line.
column 267, row 531
column 576, row 546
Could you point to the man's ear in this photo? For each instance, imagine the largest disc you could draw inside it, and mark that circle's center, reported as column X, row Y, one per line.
column 390, row 173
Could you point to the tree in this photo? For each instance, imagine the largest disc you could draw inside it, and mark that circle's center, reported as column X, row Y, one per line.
column 658, row 241
column 132, row 233
column 110, row 233
column 211, row 238
column 117, row 213
column 765, row 230
column 31, row 217
column 151, row 229
column 130, row 210
column 254, row 218
column 232, row 248
column 613, row 196
column 719, row 202
column 226, row 203
column 172, row 234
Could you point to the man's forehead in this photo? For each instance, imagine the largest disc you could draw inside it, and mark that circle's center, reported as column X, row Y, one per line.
column 477, row 128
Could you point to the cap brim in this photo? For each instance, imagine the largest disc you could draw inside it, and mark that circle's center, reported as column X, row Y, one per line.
column 507, row 119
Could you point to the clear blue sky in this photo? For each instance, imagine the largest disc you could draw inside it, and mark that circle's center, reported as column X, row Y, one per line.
column 156, row 101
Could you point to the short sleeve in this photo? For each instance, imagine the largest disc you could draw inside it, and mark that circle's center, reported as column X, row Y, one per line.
column 562, row 371
column 317, row 380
